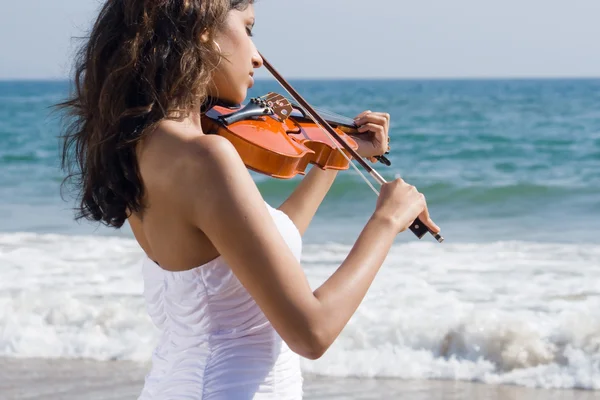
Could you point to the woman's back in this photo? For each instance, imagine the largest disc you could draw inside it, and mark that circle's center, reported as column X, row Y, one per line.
column 170, row 238
column 216, row 343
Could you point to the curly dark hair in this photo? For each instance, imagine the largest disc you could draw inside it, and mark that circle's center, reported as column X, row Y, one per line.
column 142, row 62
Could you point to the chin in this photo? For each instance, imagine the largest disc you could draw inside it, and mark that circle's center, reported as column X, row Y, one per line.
column 242, row 96
column 235, row 98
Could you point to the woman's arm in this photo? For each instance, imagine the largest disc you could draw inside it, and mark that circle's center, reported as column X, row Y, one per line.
column 304, row 201
column 212, row 189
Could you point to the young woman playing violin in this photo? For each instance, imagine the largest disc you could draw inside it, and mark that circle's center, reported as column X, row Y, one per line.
column 222, row 273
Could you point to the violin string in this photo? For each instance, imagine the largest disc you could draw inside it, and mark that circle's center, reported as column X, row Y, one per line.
column 335, row 116
column 337, row 146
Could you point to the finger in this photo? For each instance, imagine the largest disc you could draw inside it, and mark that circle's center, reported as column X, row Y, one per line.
column 375, row 118
column 383, row 114
column 387, row 118
column 372, row 127
column 431, row 225
column 378, row 141
column 426, row 219
column 378, row 134
column 379, row 119
column 362, row 114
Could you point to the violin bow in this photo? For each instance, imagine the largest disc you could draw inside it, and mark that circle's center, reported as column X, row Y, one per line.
column 417, row 227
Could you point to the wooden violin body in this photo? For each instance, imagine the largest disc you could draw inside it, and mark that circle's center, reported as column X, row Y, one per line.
column 274, row 144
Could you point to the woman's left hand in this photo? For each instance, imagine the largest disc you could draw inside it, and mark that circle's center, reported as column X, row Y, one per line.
column 373, row 139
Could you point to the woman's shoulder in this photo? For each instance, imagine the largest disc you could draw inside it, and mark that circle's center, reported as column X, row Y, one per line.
column 178, row 149
column 205, row 180
column 189, row 140
column 179, row 159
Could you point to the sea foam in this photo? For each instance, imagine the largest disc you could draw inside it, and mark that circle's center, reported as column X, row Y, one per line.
column 505, row 312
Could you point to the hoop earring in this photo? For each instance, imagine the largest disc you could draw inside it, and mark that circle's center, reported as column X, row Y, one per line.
column 220, row 53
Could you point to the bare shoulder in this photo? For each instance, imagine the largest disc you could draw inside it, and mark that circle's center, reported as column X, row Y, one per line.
column 207, row 151
column 178, row 159
column 189, row 145
column 204, row 175
column 209, row 165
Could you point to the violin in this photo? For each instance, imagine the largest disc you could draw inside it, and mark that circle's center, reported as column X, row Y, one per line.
column 280, row 139
column 274, row 137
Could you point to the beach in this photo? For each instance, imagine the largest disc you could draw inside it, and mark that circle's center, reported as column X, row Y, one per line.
column 92, row 380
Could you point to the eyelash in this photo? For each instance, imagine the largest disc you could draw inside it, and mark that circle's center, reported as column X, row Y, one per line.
column 249, row 32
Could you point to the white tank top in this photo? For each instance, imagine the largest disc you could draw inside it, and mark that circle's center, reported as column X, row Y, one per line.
column 215, row 342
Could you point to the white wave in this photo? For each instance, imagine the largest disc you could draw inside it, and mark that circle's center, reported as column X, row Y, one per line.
column 505, row 312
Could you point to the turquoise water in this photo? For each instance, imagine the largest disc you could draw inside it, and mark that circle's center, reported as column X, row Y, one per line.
column 497, row 159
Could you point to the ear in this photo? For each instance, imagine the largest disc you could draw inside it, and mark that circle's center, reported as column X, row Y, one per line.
column 205, row 36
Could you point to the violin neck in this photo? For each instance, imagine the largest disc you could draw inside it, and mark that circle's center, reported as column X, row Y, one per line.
column 330, row 117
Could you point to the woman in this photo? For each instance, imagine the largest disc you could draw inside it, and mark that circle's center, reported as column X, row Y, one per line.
column 222, row 274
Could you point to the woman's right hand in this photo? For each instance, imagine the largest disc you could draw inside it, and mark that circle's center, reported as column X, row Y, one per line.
column 401, row 204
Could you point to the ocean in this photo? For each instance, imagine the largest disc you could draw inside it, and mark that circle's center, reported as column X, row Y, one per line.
column 511, row 172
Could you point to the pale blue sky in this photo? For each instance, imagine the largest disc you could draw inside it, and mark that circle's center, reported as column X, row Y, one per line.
column 354, row 38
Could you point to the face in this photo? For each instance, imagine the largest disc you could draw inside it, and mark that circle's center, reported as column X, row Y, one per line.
column 234, row 74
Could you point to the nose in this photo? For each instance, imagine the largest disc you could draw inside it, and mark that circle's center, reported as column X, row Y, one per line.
column 257, row 60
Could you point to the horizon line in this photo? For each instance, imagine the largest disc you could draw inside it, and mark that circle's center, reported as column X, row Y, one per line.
column 355, row 78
